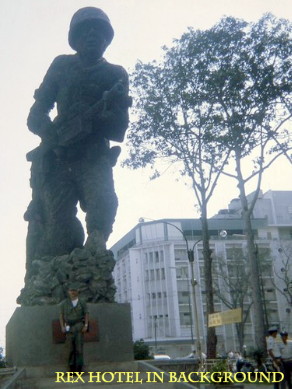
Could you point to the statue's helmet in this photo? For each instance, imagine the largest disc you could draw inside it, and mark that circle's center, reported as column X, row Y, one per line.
column 89, row 14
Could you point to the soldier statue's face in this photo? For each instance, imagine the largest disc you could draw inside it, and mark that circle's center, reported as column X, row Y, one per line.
column 91, row 41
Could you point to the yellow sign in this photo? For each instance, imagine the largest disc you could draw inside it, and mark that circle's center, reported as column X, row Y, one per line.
column 225, row 317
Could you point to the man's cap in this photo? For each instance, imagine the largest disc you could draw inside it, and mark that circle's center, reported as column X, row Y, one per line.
column 283, row 333
column 73, row 286
column 273, row 329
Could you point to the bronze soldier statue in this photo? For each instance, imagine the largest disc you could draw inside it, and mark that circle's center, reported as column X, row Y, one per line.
column 74, row 161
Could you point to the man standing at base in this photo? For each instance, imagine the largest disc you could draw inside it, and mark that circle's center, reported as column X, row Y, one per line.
column 274, row 352
column 74, row 322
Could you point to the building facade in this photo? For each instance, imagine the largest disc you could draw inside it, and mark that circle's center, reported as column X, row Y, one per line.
column 153, row 274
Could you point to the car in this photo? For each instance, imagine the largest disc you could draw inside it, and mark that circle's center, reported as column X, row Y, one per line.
column 161, row 356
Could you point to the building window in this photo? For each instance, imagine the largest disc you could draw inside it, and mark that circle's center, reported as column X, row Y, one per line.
column 151, row 258
column 180, row 254
column 183, row 297
column 182, row 272
column 158, row 274
column 234, row 254
column 273, row 315
column 156, row 256
column 185, row 318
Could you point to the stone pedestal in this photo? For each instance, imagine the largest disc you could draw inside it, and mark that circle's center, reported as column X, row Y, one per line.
column 91, row 269
column 29, row 336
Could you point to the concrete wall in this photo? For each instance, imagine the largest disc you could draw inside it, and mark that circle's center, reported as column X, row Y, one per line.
column 29, row 339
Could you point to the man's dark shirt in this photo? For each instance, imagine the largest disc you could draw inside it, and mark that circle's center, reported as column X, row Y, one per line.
column 73, row 314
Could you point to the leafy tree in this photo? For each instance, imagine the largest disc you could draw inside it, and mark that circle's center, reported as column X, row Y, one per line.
column 174, row 128
column 254, row 102
column 141, row 350
column 218, row 97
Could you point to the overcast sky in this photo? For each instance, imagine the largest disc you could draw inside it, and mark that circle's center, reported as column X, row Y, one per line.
column 33, row 33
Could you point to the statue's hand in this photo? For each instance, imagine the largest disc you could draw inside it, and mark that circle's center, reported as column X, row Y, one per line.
column 49, row 135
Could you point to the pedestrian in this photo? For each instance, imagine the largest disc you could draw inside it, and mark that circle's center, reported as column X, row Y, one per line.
column 193, row 354
column 273, row 348
column 74, row 322
column 230, row 354
column 286, row 353
column 239, row 361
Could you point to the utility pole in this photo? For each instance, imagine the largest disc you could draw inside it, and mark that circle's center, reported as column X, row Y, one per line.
column 155, row 332
column 191, row 258
column 194, row 282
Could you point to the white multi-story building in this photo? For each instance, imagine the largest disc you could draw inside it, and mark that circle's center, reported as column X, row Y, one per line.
column 153, row 274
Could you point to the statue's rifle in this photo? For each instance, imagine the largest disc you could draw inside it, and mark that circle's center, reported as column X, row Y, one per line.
column 80, row 125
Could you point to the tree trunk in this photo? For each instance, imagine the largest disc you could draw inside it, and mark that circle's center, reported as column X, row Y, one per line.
column 211, row 334
column 258, row 312
column 240, row 334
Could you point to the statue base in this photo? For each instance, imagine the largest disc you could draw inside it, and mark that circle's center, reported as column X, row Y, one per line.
column 88, row 268
column 30, row 340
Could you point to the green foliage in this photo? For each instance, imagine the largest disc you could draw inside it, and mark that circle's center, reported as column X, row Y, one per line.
column 258, row 355
column 219, row 91
column 216, row 370
column 219, row 366
column 141, row 350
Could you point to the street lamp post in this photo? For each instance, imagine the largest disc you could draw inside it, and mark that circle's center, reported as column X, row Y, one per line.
column 155, row 332
column 194, row 283
column 266, row 320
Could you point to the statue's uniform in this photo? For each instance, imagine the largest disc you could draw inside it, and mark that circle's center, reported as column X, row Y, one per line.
column 78, row 171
